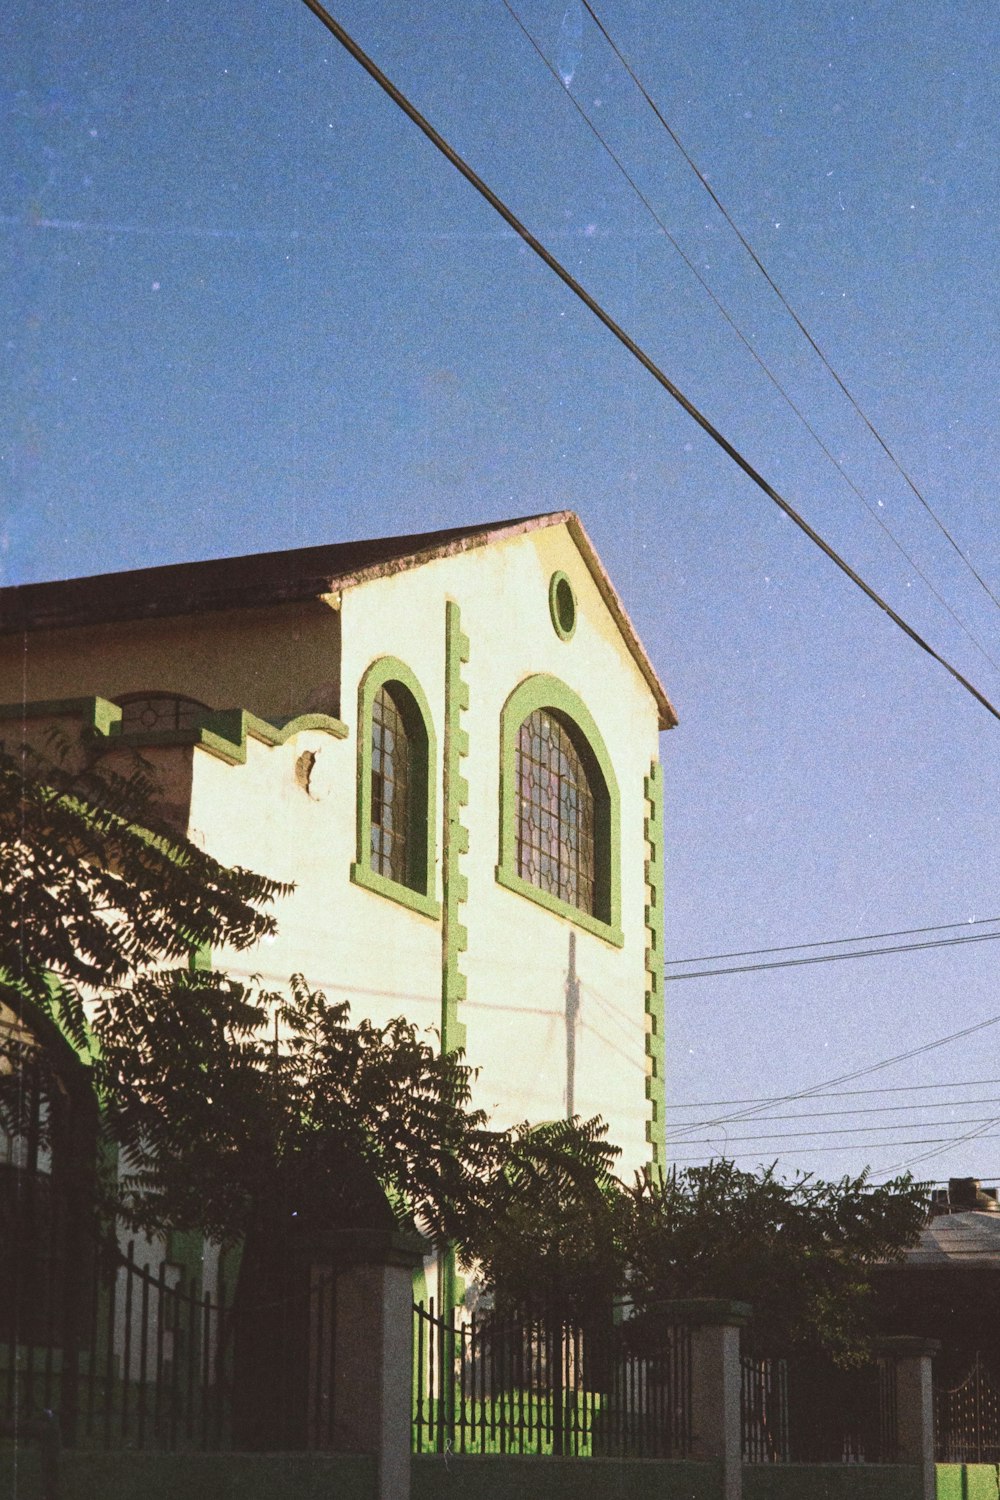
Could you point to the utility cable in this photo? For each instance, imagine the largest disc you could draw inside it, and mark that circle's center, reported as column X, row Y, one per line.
column 942, row 1142
column 801, row 1135
column 830, row 958
column 882, row 1109
column 896, row 1088
column 911, row 483
column 888, row 1062
column 868, row 937
column 956, row 1140
column 745, row 340
column 635, row 349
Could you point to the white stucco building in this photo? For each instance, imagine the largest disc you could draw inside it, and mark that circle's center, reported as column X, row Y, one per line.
column 449, row 743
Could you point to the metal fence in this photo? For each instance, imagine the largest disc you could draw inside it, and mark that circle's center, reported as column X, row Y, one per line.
column 143, row 1361
column 486, row 1384
column 805, row 1409
column 967, row 1416
column 149, row 1357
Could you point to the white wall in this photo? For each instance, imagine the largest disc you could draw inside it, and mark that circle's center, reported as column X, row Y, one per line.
column 386, row 958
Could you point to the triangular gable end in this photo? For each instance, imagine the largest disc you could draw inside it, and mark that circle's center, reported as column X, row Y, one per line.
column 268, row 578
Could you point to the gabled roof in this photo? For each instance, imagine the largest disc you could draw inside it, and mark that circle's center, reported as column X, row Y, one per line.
column 304, row 573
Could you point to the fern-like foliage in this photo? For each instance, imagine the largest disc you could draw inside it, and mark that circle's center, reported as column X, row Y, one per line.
column 242, row 1110
column 96, row 886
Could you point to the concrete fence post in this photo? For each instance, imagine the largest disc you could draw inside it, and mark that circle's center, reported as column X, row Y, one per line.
column 373, row 1350
column 716, row 1382
column 913, row 1359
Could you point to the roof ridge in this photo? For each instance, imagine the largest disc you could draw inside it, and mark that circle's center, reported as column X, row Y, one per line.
column 259, row 580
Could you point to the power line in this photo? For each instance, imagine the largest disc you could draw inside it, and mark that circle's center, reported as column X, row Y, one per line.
column 868, row 937
column 817, row 1088
column 896, row 1088
column 879, row 1109
column 635, row 349
column 744, row 339
column 957, row 1140
column 783, row 299
column 943, row 1142
column 801, row 1135
column 830, row 958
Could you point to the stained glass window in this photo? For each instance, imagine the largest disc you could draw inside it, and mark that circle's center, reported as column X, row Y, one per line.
column 391, row 792
column 555, row 826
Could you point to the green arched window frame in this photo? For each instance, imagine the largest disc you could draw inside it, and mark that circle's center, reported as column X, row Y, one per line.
column 545, row 692
column 419, row 891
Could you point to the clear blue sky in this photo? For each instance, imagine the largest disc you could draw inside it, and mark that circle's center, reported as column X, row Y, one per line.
column 246, row 306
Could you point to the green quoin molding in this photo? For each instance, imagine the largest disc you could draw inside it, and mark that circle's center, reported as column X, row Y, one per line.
column 222, row 732
column 655, row 1050
column 418, row 894
column 454, row 934
column 543, row 691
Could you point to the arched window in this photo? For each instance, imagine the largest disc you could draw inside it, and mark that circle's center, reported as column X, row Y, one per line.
column 396, row 801
column 555, row 817
column 393, row 835
column 559, row 808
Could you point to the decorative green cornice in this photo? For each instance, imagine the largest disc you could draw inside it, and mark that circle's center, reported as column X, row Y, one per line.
column 420, row 895
column 655, row 1050
column 454, row 935
column 542, row 691
column 222, row 732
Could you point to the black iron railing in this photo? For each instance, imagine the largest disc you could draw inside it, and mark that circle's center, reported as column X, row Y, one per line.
column 545, row 1385
column 143, row 1363
column 967, row 1416
column 805, row 1409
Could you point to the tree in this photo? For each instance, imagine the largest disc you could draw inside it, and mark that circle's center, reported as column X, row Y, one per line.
column 540, row 1234
column 96, row 887
column 798, row 1252
column 260, row 1118
column 243, row 1113
column 253, row 1113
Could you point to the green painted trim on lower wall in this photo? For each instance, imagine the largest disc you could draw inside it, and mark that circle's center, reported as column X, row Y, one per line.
column 224, row 732
column 968, row 1481
column 833, row 1482
column 656, row 1093
column 192, row 1476
column 497, row 1476
column 543, row 691
column 455, row 834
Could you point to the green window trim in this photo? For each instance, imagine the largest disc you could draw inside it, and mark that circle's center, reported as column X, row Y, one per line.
column 543, row 691
column 562, row 606
column 420, row 896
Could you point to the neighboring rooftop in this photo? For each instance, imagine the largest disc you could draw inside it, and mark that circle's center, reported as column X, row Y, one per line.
column 969, row 1239
column 964, row 1228
column 269, row 578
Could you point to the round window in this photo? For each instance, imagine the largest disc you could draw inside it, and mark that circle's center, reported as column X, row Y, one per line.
column 562, row 605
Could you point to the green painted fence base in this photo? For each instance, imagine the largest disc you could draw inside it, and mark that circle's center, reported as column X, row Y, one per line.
column 496, row 1476
column 968, row 1482
column 833, row 1482
column 193, row 1476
